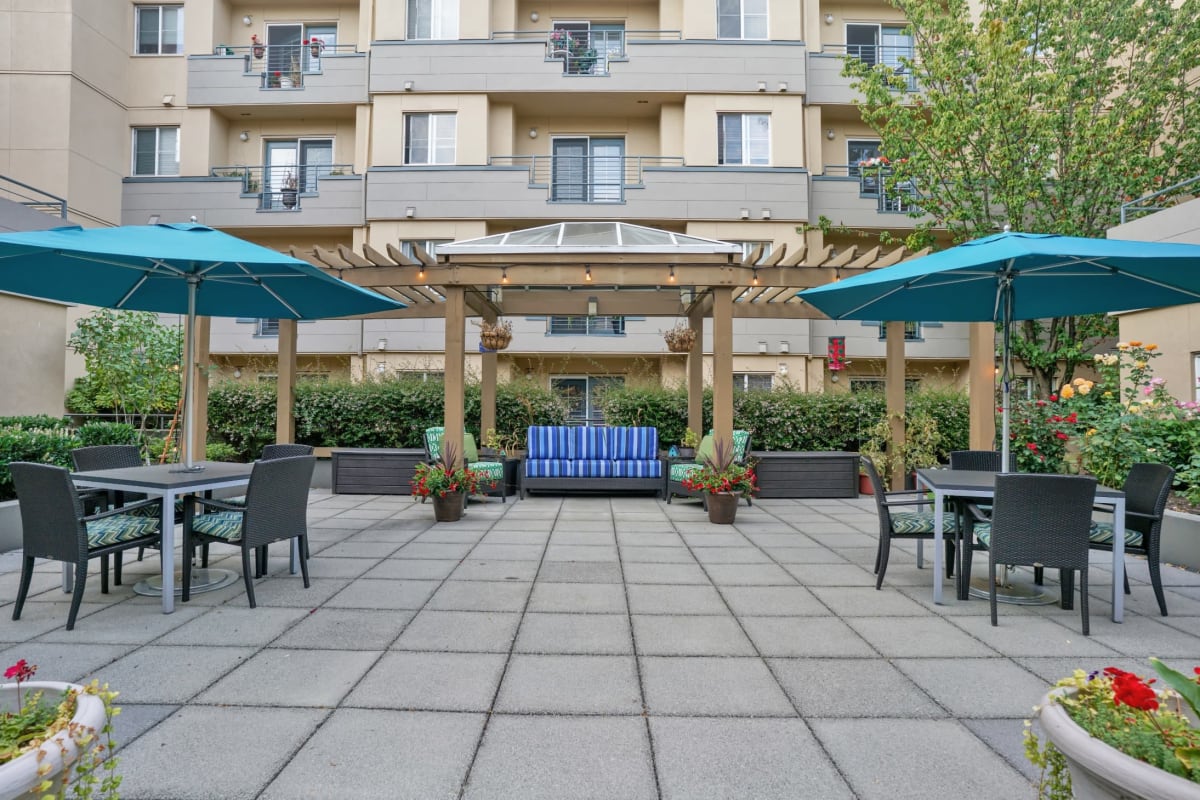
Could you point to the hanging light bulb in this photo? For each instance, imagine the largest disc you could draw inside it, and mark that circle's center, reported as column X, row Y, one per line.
column 587, row 274
column 755, row 279
column 504, row 275
column 421, row 272
column 671, row 277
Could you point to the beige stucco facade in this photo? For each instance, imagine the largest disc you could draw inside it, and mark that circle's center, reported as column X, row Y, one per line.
column 34, row 356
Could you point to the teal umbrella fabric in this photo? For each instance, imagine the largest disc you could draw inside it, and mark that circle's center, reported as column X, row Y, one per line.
column 150, row 267
column 176, row 269
column 1017, row 276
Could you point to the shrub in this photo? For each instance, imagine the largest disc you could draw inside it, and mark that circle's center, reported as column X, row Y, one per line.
column 219, row 451
column 43, row 445
column 38, row 421
column 98, row 433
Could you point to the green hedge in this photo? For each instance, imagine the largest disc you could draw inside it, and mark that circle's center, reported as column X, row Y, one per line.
column 43, row 445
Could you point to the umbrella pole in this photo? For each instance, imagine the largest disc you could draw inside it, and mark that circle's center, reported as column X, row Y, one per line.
column 1006, row 377
column 189, row 383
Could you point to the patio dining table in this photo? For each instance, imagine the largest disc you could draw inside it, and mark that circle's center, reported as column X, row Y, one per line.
column 976, row 485
column 169, row 482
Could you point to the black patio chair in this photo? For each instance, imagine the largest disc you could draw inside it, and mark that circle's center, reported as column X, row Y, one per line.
column 971, row 513
column 1038, row 520
column 1146, row 489
column 271, row 451
column 55, row 526
column 905, row 524
column 276, row 510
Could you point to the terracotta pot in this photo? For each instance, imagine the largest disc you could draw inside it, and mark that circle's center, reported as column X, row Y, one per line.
column 1100, row 772
column 20, row 775
column 448, row 508
column 722, row 508
column 865, row 486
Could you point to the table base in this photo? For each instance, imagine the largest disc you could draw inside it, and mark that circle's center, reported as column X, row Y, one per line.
column 203, row 580
column 1017, row 593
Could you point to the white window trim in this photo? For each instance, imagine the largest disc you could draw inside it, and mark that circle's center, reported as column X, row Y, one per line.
column 742, row 37
column 158, row 129
column 433, row 116
column 437, row 16
column 745, row 119
column 136, row 30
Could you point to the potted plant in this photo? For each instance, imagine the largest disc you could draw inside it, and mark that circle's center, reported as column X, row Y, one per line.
column 1110, row 734
column 688, row 444
column 501, row 443
column 724, row 481
column 288, row 194
column 315, row 46
column 258, row 48
column 447, row 483
column 52, row 734
column 495, row 335
column 680, row 339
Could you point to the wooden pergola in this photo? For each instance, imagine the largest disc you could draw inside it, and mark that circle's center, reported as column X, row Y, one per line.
column 615, row 268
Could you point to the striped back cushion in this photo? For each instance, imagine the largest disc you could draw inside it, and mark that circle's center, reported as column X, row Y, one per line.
column 634, row 443
column 433, row 441
column 549, row 441
column 591, row 443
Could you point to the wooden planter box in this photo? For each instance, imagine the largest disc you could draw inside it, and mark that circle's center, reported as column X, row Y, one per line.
column 806, row 475
column 374, row 470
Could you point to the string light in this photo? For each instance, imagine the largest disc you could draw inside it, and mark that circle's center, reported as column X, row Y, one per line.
column 504, row 275
column 587, row 275
column 421, row 272
column 755, row 280
column 671, row 277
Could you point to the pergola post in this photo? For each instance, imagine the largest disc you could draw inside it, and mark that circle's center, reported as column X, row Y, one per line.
column 285, row 397
column 895, row 395
column 487, row 395
column 456, row 314
column 199, row 443
column 722, row 314
column 982, row 385
column 695, row 372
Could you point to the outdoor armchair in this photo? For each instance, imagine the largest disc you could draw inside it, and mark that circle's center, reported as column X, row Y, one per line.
column 55, row 526
column 271, row 451
column 679, row 472
column 1146, row 489
column 969, row 513
column 1040, row 521
column 491, row 472
column 276, row 510
column 915, row 524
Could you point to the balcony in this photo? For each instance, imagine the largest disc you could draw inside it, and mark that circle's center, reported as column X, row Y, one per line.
column 634, row 61
column 248, row 197
column 581, row 188
column 857, row 198
column 277, row 75
column 826, row 85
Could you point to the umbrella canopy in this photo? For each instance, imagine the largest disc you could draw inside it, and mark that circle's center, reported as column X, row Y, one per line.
column 149, row 268
column 176, row 269
column 1016, row 276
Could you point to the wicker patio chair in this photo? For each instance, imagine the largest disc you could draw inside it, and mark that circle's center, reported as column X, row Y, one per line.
column 276, row 510
column 271, row 451
column 55, row 526
column 489, row 471
column 905, row 524
column 677, row 473
column 971, row 513
column 1146, row 489
column 1039, row 520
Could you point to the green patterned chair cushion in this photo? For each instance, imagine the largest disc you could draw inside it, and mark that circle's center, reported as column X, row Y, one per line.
column 681, row 471
column 918, row 522
column 225, row 525
column 490, row 470
column 983, row 532
column 156, row 510
column 740, row 440
column 1102, row 533
column 433, row 441
column 119, row 528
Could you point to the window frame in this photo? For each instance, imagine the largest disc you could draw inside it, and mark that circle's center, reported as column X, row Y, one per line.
column 741, row 18
column 741, row 381
column 137, row 28
column 432, row 144
column 437, row 18
column 747, row 160
column 158, row 167
column 591, row 328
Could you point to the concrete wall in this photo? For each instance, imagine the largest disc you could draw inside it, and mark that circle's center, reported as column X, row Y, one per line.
column 33, row 350
column 219, row 202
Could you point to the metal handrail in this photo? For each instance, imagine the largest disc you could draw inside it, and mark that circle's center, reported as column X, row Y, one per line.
column 37, row 200
column 1141, row 205
column 630, row 35
column 270, row 183
column 586, row 179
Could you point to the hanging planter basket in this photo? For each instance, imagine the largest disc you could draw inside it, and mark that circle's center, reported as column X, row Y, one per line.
column 680, row 339
column 495, row 335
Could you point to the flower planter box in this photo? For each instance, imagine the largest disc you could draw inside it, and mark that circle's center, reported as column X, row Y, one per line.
column 20, row 775
column 1181, row 539
column 806, row 474
column 374, row 470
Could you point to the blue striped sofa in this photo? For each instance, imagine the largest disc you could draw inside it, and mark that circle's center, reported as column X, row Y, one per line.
column 591, row 459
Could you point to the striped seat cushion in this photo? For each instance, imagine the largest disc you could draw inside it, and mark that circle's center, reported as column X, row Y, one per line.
column 636, row 468
column 119, row 528
column 156, row 510
column 488, row 470
column 1102, row 533
column 550, row 468
column 680, row 472
column 225, row 525
column 983, row 532
column 913, row 523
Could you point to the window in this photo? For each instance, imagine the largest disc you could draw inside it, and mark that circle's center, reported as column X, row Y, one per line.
column 266, row 327
column 748, row 249
column 743, row 139
column 752, row 382
column 912, row 332
column 422, row 375
column 880, row 384
column 583, row 396
column 432, row 19
column 430, row 246
column 586, row 170
column 586, row 326
column 156, row 151
column 159, row 29
column 429, row 138
column 860, row 150
column 741, row 19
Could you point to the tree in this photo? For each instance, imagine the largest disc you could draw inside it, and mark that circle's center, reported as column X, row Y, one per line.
column 1044, row 115
column 132, row 362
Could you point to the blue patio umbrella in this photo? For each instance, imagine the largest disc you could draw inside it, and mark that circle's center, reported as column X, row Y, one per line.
column 1018, row 276
column 176, row 269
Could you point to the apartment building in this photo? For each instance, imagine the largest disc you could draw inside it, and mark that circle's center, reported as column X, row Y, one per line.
column 420, row 122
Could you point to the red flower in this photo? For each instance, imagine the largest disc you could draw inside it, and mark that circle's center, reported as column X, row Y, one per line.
column 1130, row 690
column 1032, row 446
column 1061, row 435
column 1053, row 398
column 22, row 671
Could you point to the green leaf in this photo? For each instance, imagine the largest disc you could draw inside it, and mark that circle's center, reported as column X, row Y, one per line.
column 1187, row 687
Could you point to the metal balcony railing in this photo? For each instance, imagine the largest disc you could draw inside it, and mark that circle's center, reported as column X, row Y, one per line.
column 587, row 52
column 586, row 179
column 898, row 57
column 280, row 188
column 1164, row 198
column 32, row 197
column 872, row 183
column 280, row 66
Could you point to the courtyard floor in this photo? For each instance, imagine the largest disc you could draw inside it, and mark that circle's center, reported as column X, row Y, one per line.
column 583, row 648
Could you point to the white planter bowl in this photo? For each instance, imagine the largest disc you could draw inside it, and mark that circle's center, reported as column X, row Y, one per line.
column 1100, row 772
column 20, row 775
